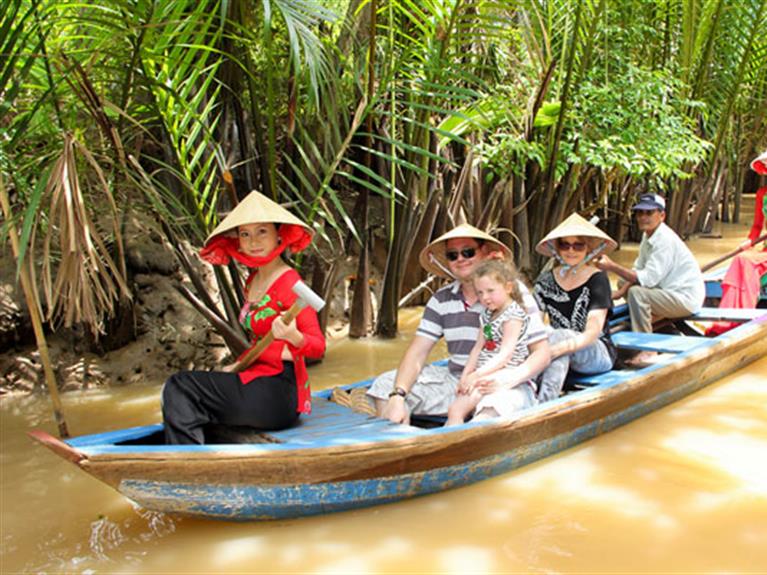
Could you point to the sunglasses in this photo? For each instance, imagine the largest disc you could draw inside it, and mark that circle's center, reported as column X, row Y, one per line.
column 577, row 246
column 467, row 254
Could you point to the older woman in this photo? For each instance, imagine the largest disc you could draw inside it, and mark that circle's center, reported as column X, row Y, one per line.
column 270, row 393
column 576, row 297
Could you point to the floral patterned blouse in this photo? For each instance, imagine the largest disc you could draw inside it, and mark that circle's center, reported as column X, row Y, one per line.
column 256, row 318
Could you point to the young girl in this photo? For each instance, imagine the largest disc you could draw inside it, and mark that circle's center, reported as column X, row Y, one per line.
column 502, row 345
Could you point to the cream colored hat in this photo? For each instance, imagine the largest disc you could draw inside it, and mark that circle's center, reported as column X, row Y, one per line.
column 256, row 208
column 433, row 258
column 759, row 165
column 575, row 225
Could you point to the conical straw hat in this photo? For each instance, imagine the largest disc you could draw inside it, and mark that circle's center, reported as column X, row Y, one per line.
column 759, row 165
column 256, row 208
column 436, row 249
column 575, row 225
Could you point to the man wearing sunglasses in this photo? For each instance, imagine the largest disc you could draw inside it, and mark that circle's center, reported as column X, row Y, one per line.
column 453, row 313
column 665, row 281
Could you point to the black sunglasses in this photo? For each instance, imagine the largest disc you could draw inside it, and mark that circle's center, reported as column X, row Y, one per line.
column 577, row 246
column 467, row 254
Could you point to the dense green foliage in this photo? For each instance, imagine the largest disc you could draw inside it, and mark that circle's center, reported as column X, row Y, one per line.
column 506, row 114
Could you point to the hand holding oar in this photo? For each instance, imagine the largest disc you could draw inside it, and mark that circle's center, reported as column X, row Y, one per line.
column 742, row 247
column 306, row 297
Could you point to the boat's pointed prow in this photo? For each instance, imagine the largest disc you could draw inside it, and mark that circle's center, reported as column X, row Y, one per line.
column 57, row 446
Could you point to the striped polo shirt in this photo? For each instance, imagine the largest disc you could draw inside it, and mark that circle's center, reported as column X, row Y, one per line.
column 447, row 315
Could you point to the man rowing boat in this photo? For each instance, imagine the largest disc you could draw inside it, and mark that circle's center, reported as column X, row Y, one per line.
column 665, row 281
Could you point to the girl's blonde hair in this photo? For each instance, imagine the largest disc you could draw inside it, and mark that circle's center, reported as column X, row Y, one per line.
column 503, row 272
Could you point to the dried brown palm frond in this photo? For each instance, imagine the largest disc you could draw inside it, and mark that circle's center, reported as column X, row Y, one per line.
column 87, row 281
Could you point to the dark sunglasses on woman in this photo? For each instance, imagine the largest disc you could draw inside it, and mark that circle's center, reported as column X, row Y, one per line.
column 467, row 254
column 577, row 246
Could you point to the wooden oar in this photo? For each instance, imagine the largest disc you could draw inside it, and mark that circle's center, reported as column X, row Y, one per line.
column 742, row 247
column 306, row 297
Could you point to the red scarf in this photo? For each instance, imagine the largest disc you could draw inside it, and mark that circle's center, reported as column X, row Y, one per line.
column 222, row 248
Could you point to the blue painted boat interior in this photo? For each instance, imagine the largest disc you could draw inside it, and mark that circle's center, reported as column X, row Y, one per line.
column 331, row 424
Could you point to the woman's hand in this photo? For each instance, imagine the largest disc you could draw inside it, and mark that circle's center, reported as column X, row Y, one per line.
column 287, row 332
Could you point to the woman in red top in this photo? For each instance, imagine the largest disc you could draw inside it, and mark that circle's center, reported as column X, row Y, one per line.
column 272, row 392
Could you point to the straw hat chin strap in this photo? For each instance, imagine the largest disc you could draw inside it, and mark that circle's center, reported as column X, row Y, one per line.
column 566, row 267
column 221, row 249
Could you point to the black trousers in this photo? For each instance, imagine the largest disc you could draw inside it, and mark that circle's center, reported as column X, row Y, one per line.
column 192, row 399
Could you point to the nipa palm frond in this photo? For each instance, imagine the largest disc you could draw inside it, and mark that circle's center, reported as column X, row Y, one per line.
column 87, row 282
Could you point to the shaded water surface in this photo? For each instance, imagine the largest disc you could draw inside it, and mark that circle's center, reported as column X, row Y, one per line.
column 681, row 490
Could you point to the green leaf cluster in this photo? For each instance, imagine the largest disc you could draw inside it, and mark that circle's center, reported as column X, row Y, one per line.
column 637, row 124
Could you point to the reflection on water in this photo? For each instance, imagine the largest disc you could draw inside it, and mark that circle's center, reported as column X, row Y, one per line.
column 683, row 489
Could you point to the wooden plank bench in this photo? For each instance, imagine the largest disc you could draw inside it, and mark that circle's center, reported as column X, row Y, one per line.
column 337, row 424
column 728, row 314
column 610, row 377
column 660, row 342
column 620, row 319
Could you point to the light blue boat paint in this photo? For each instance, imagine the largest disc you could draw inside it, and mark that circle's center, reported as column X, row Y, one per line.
column 100, row 439
column 103, row 443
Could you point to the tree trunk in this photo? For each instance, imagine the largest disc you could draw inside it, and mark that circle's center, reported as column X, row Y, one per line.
column 361, row 312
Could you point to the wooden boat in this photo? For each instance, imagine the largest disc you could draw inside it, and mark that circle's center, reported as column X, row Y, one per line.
column 336, row 459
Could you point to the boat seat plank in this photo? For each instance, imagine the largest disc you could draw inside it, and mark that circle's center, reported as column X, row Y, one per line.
column 116, row 436
column 329, row 423
column 620, row 314
column 713, row 290
column 660, row 342
column 610, row 377
column 335, row 423
column 731, row 314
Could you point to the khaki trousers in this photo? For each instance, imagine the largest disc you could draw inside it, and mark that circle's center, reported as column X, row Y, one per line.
column 646, row 304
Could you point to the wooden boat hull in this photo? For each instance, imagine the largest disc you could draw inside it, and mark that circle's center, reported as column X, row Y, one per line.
column 370, row 461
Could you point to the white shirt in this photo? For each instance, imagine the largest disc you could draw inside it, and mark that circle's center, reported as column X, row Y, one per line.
column 666, row 263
